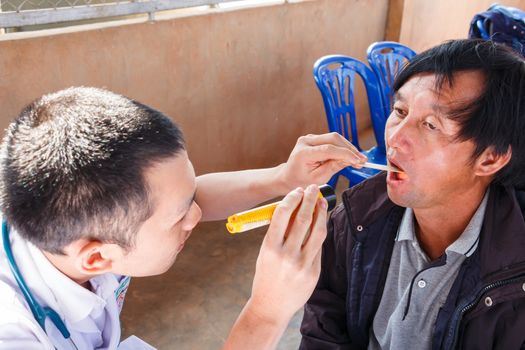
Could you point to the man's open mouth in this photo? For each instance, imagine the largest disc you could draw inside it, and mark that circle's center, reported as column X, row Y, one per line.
column 397, row 176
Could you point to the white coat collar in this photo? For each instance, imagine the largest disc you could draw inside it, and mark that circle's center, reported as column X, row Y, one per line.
column 52, row 288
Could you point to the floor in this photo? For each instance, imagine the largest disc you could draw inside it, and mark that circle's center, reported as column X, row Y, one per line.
column 194, row 304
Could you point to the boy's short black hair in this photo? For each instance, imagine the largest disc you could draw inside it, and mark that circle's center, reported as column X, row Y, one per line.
column 73, row 167
column 497, row 117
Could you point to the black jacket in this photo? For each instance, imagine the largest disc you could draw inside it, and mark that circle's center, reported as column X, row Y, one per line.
column 485, row 308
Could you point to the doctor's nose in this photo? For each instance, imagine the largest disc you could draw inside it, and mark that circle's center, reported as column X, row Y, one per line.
column 192, row 218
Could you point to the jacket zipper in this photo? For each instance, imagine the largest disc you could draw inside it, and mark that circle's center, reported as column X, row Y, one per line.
column 455, row 325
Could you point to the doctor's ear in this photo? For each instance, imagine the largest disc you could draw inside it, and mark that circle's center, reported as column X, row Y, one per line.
column 489, row 162
column 92, row 258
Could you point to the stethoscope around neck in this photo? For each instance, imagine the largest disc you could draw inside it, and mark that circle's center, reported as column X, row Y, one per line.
column 40, row 313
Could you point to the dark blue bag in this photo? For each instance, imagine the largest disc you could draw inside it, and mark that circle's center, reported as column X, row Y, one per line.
column 501, row 24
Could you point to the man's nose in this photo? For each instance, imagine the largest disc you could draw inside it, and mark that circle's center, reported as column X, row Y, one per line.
column 398, row 135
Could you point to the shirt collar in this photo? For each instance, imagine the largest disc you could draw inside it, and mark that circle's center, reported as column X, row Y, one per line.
column 54, row 289
column 406, row 231
column 465, row 244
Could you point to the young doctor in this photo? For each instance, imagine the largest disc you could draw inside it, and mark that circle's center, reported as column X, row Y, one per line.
column 96, row 188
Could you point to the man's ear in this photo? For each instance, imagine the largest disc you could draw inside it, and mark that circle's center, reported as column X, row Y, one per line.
column 92, row 258
column 489, row 162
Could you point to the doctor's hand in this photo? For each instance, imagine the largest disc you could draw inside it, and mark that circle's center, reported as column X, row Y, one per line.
column 289, row 261
column 286, row 272
column 316, row 158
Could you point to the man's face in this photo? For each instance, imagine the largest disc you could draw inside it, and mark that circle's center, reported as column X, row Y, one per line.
column 161, row 237
column 420, row 139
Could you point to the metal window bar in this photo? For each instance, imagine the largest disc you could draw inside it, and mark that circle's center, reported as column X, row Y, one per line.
column 18, row 13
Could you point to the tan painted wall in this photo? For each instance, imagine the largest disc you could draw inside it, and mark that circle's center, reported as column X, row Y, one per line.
column 427, row 23
column 239, row 83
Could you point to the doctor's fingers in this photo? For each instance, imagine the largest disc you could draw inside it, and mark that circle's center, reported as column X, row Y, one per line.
column 301, row 223
column 325, row 171
column 327, row 152
column 331, row 138
column 281, row 217
column 313, row 245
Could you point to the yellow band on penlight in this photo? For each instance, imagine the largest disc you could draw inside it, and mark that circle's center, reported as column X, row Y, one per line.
column 262, row 216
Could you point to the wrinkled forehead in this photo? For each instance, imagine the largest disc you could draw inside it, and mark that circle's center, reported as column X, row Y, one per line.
column 460, row 89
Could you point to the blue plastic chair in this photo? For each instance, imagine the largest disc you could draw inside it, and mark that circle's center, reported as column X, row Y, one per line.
column 335, row 77
column 387, row 58
column 480, row 24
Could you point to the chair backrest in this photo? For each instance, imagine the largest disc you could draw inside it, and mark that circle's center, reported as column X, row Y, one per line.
column 335, row 77
column 387, row 58
column 502, row 24
column 480, row 25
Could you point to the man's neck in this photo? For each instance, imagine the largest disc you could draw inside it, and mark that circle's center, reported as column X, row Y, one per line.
column 439, row 227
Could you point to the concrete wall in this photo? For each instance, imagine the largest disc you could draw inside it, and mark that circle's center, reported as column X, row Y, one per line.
column 427, row 23
column 238, row 82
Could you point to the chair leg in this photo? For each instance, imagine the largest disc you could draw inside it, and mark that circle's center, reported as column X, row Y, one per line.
column 333, row 181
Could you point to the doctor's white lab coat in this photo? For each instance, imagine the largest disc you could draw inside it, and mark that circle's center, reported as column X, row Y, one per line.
column 92, row 318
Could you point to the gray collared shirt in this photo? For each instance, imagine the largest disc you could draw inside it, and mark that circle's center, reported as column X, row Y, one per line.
column 415, row 289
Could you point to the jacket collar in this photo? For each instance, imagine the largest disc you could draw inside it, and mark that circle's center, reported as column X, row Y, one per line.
column 368, row 201
column 502, row 236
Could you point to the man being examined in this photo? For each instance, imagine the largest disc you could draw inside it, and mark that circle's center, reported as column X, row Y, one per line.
column 434, row 256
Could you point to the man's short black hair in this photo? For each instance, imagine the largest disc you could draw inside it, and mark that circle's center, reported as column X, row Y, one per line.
column 497, row 117
column 73, row 166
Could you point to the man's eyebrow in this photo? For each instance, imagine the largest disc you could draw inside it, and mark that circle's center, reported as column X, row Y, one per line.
column 398, row 97
column 441, row 110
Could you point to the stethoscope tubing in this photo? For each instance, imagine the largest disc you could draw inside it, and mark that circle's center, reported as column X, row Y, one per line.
column 39, row 313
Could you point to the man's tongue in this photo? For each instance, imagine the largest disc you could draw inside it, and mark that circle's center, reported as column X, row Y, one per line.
column 402, row 176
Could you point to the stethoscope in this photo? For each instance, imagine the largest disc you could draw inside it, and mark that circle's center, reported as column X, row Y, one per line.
column 40, row 313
